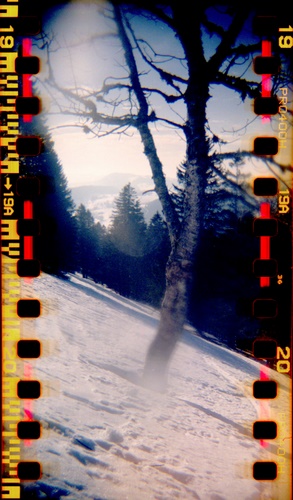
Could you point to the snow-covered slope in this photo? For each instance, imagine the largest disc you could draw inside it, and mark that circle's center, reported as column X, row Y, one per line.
column 106, row 438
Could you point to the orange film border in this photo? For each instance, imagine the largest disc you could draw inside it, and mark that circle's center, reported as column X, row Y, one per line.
column 265, row 267
column 19, row 228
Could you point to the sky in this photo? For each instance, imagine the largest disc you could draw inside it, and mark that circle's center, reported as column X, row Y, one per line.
column 86, row 158
column 81, row 57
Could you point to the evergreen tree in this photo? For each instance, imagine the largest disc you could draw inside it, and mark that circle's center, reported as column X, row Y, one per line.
column 100, row 236
column 226, row 198
column 87, row 242
column 54, row 207
column 127, row 245
column 128, row 227
column 158, row 247
column 157, row 234
column 228, row 207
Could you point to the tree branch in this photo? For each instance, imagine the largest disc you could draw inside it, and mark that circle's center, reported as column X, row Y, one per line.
column 169, row 78
column 116, row 86
column 243, row 87
column 146, row 136
column 151, row 8
column 224, row 48
column 249, row 154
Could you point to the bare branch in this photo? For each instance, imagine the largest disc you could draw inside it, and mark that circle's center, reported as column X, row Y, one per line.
column 248, row 154
column 242, row 129
column 158, row 13
column 228, row 39
column 212, row 28
column 146, row 136
column 116, row 86
column 243, row 87
column 149, row 191
column 165, row 57
column 169, row 78
column 107, row 87
column 168, row 98
column 170, row 122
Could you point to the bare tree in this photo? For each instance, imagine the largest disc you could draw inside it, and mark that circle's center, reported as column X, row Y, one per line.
column 186, row 76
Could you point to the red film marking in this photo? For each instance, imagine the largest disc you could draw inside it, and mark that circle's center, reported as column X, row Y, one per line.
column 264, row 374
column 26, row 79
column 28, row 413
column 28, row 209
column 264, row 407
column 28, row 248
column 265, row 212
column 28, row 240
column 266, row 48
column 266, row 79
column 27, row 214
column 28, row 404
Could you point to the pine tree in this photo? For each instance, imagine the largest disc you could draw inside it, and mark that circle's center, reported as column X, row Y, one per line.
column 158, row 247
column 157, row 234
column 87, row 242
column 128, row 227
column 225, row 200
column 100, row 236
column 54, row 207
column 225, row 205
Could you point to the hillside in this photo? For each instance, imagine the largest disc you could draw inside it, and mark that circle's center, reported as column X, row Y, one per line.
column 106, row 438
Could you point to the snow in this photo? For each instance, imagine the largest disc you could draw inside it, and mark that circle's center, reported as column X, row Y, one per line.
column 106, row 438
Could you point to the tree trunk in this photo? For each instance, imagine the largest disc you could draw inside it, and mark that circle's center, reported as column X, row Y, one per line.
column 172, row 318
column 184, row 241
column 179, row 277
column 179, row 272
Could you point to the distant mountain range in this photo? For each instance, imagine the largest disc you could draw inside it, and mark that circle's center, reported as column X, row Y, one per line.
column 100, row 198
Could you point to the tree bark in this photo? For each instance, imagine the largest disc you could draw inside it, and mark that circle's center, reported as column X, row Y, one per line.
column 185, row 241
column 179, row 276
column 179, row 272
column 142, row 126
